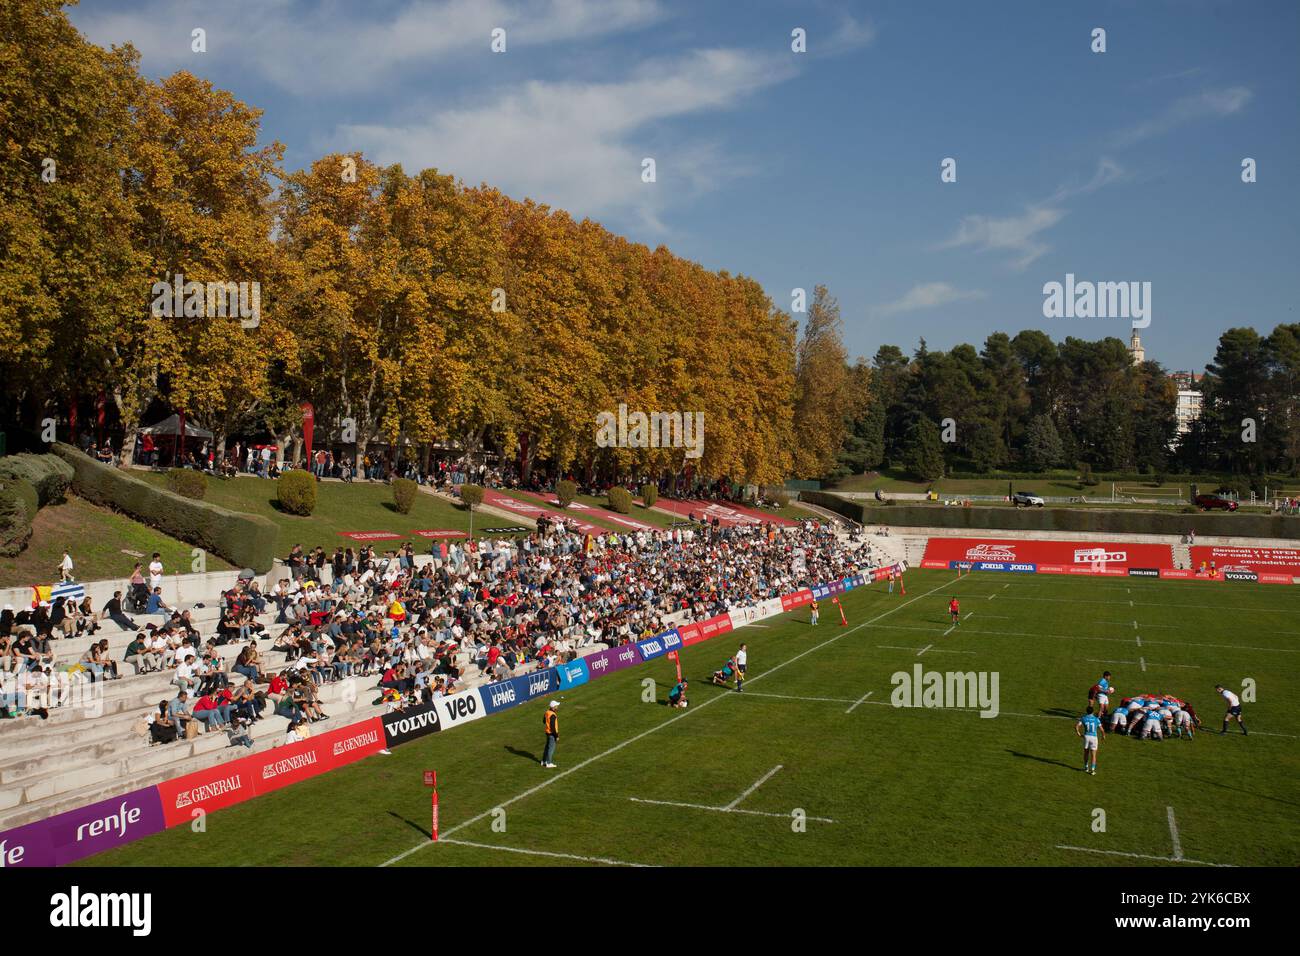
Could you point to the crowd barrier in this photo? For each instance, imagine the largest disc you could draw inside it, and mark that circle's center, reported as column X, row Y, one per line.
column 110, row 823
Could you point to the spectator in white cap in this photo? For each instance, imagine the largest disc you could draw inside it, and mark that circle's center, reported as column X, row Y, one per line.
column 551, row 725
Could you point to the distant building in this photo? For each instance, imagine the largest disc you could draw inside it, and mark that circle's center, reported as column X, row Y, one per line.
column 1136, row 350
column 1188, row 408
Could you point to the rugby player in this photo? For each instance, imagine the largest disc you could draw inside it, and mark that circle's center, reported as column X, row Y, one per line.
column 677, row 696
column 1088, row 727
column 720, row 677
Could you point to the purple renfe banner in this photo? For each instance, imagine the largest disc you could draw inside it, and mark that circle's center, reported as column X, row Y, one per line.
column 614, row 659
column 79, row 833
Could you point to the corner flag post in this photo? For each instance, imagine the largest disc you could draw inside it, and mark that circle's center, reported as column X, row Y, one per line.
column 431, row 780
column 843, row 621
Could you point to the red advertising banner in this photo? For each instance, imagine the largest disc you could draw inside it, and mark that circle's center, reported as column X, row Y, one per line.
column 1275, row 560
column 308, row 428
column 370, row 535
column 798, row 599
column 715, row 626
column 689, row 633
column 1078, row 556
column 235, row 781
column 212, row 788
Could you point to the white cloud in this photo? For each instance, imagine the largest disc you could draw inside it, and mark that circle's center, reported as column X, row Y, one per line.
column 331, row 48
column 1016, row 234
column 579, row 146
column 928, row 295
column 1210, row 104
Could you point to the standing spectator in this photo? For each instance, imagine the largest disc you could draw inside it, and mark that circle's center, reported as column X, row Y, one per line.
column 155, row 571
column 65, row 567
column 551, row 726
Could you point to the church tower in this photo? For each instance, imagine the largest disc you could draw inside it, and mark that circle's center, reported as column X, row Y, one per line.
column 1136, row 350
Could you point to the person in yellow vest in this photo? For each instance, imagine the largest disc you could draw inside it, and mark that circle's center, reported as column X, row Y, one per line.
column 551, row 725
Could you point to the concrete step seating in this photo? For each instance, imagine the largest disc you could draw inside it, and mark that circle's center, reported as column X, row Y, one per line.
column 93, row 757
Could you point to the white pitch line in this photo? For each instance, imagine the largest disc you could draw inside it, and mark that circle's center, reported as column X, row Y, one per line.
column 701, row 806
column 1143, row 662
column 968, row 614
column 1138, row 638
column 1173, row 835
column 928, row 646
column 1141, row 856
column 830, row 700
column 937, row 650
column 761, row 780
column 859, row 701
column 658, row 727
column 563, row 856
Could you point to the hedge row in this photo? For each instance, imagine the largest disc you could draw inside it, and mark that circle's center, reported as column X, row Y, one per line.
column 48, row 474
column 1119, row 521
column 246, row 541
column 188, row 483
column 17, row 508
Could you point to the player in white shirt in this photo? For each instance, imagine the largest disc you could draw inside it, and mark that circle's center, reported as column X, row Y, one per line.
column 742, row 661
column 1234, row 708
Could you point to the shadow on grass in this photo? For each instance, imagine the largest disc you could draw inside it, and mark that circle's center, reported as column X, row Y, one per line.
column 523, row 753
column 1253, row 793
column 1016, row 753
column 412, row 824
column 1060, row 712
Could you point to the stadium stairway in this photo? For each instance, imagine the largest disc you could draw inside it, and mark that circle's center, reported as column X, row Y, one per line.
column 1182, row 555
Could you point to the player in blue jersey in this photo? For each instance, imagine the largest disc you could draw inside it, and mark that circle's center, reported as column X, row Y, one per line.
column 1090, row 729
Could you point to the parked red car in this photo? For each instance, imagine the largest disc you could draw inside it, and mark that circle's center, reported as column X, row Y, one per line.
column 1211, row 502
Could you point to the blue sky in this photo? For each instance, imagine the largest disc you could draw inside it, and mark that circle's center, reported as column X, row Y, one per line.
column 823, row 167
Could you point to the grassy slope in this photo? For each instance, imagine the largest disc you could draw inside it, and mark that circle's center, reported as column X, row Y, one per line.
column 97, row 537
column 360, row 506
column 905, row 786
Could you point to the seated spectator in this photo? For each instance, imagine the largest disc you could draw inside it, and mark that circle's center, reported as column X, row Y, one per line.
column 178, row 713
column 156, row 605
column 113, row 611
column 140, row 656
column 161, row 730
column 212, row 714
column 186, row 676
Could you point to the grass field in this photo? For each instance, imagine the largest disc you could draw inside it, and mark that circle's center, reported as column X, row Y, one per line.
column 903, row 786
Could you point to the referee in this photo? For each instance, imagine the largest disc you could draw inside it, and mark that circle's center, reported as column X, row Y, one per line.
column 742, row 659
column 1234, row 709
column 551, row 725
